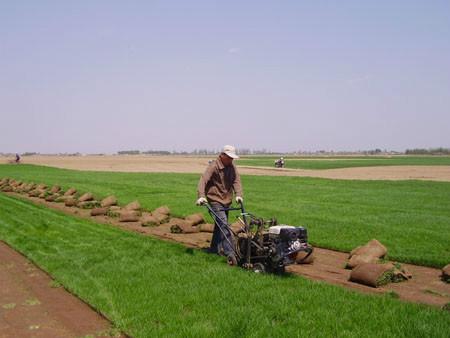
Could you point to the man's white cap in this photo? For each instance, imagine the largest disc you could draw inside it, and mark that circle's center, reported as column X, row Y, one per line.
column 230, row 151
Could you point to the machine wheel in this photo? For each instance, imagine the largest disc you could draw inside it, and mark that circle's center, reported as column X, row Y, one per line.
column 279, row 269
column 259, row 268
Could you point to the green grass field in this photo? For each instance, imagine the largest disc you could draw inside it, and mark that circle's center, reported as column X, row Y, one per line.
column 151, row 288
column 340, row 162
column 412, row 218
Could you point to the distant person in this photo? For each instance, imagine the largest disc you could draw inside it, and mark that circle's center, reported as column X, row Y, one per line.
column 216, row 187
column 17, row 158
column 279, row 163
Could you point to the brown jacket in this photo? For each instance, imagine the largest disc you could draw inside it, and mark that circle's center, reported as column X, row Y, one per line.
column 218, row 183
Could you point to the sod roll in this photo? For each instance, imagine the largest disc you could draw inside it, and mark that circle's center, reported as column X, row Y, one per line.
column 372, row 274
column 86, row 197
column 161, row 218
column 28, row 187
column 15, row 183
column 70, row 192
column 135, row 205
column 373, row 248
column 183, row 227
column 206, row 227
column 51, row 198
column 70, row 202
column 360, row 259
column 109, row 201
column 164, row 210
column 20, row 187
column 99, row 211
column 369, row 253
column 129, row 216
column 195, row 219
column 55, row 189
column 149, row 221
column 7, row 188
column 34, row 193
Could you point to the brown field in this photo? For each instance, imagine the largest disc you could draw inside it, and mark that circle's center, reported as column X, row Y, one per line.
column 197, row 164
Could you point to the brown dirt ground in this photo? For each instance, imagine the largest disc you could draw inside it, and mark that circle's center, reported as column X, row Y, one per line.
column 31, row 307
column 196, row 164
column 425, row 287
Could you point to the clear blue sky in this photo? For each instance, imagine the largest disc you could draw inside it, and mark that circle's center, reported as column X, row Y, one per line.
column 102, row 76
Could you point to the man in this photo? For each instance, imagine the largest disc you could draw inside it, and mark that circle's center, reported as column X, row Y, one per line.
column 216, row 187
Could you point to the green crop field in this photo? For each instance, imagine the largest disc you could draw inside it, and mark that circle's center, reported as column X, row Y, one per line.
column 340, row 162
column 411, row 218
column 151, row 288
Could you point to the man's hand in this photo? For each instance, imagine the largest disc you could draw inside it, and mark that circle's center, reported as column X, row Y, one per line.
column 201, row 201
column 239, row 199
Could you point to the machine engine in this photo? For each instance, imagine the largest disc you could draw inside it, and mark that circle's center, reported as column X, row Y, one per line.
column 276, row 248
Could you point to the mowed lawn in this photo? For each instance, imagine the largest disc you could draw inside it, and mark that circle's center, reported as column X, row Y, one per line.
column 340, row 162
column 412, row 218
column 152, row 288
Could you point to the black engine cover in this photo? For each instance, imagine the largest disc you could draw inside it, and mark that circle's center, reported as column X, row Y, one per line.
column 287, row 234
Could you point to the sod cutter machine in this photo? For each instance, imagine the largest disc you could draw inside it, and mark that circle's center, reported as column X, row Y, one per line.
column 260, row 249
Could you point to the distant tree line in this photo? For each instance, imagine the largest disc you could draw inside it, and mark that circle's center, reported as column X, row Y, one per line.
column 148, row 152
column 129, row 152
column 157, row 152
column 431, row 151
column 247, row 151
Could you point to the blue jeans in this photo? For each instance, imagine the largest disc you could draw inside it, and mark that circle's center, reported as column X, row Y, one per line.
column 222, row 241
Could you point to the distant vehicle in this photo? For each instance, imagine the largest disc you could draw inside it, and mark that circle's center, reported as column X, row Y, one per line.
column 279, row 163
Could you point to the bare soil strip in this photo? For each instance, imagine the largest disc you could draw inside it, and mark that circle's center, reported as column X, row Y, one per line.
column 32, row 305
column 197, row 164
column 390, row 173
column 425, row 287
